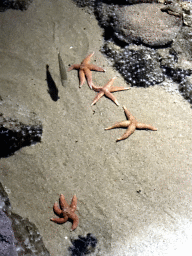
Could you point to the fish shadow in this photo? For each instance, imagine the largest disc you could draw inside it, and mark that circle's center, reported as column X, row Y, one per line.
column 52, row 88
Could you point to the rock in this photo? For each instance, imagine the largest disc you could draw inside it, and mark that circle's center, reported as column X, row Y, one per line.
column 177, row 75
column 83, row 245
column 140, row 23
column 139, row 65
column 147, row 24
column 187, row 20
column 128, row 2
column 83, row 3
column 18, row 236
column 19, row 127
column 15, row 135
column 15, row 4
column 186, row 7
column 177, row 68
column 183, row 43
column 7, row 246
column 173, row 9
column 180, row 9
column 186, row 89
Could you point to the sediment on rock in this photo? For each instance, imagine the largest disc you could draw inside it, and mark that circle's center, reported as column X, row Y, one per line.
column 15, row 135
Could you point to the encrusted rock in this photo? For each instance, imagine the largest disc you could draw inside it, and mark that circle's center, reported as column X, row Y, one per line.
column 187, row 20
column 186, row 89
column 139, row 65
column 14, row 4
column 83, row 3
column 177, row 68
column 83, row 245
column 183, row 43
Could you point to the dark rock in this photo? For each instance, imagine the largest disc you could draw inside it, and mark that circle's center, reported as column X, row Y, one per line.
column 178, row 75
column 186, row 89
column 176, row 63
column 83, row 3
column 14, row 4
column 4, row 201
column 139, row 23
column 183, row 43
column 7, row 246
column 15, row 135
column 28, row 239
column 83, row 245
column 18, row 236
column 139, row 65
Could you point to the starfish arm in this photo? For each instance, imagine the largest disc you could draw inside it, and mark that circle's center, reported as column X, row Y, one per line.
column 110, row 96
column 116, row 89
column 74, row 66
column 97, row 97
column 87, row 59
column 88, row 76
column 123, row 124
column 59, row 220
column 129, row 131
column 146, row 126
column 128, row 114
column 95, row 68
column 63, row 203
column 81, row 77
column 75, row 220
column 109, row 84
column 73, row 205
column 96, row 88
column 56, row 209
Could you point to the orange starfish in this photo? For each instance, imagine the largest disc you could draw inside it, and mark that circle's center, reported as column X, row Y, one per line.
column 132, row 124
column 65, row 211
column 107, row 91
column 85, row 70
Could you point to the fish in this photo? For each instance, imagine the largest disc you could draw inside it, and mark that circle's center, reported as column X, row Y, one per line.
column 63, row 73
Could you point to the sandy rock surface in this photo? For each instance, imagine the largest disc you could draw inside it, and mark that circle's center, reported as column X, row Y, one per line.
column 144, row 23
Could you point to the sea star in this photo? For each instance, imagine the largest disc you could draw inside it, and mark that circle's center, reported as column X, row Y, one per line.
column 132, row 124
column 85, row 70
column 65, row 211
column 107, row 91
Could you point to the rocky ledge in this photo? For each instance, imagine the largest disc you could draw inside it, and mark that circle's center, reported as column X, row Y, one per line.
column 15, row 135
column 148, row 42
column 18, row 235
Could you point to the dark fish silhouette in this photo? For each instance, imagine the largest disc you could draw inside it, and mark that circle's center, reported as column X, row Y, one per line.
column 52, row 88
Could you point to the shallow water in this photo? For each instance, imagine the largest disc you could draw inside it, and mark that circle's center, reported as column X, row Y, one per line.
column 132, row 193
